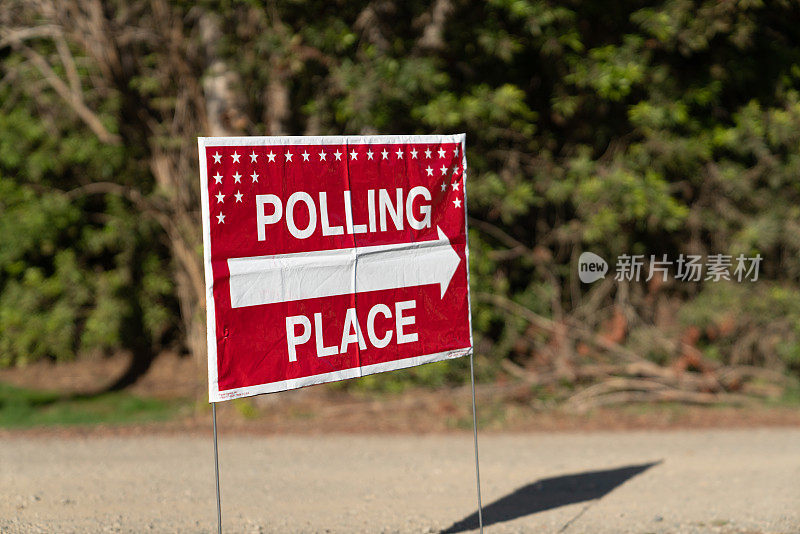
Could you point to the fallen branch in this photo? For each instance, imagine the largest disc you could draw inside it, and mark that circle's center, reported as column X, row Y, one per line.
column 635, row 379
column 626, row 391
column 671, row 395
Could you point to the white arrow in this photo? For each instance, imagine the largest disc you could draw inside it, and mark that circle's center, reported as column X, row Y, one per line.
column 305, row 275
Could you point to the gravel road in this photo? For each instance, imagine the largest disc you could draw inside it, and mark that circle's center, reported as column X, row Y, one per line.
column 718, row 481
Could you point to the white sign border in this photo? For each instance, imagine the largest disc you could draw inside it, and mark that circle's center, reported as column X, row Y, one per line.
column 214, row 394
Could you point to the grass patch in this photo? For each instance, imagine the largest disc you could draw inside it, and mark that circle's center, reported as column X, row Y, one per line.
column 24, row 408
column 668, row 409
column 791, row 394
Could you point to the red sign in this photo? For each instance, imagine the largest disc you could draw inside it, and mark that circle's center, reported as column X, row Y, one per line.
column 329, row 258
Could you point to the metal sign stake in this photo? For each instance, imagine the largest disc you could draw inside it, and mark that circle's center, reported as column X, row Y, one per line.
column 216, row 466
column 475, row 436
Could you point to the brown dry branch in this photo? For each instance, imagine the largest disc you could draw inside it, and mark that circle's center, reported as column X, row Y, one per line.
column 71, row 93
column 630, row 378
column 656, row 396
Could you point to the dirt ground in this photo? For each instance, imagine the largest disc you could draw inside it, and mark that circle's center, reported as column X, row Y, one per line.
column 322, row 460
column 682, row 482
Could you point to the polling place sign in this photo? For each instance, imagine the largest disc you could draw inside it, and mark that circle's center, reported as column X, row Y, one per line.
column 329, row 258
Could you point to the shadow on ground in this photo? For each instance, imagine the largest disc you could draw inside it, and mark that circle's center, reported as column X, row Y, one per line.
column 550, row 493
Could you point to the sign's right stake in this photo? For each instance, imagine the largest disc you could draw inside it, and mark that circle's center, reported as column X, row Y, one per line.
column 475, row 436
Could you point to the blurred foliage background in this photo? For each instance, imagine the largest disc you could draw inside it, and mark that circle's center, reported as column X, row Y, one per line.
column 668, row 127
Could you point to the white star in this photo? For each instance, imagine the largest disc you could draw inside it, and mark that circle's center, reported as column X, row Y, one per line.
column 427, row 153
column 271, row 157
column 455, row 186
column 338, row 155
column 220, row 218
column 235, row 157
column 455, row 171
column 219, row 196
column 218, row 178
column 444, row 187
column 288, row 156
column 457, row 203
column 237, row 178
column 322, row 156
column 253, row 157
column 238, row 196
column 217, row 157
column 305, row 155
column 441, row 152
column 254, row 176
column 369, row 154
column 413, row 153
column 399, row 154
column 353, row 154
column 429, row 171
column 443, row 169
column 455, row 152
column 385, row 154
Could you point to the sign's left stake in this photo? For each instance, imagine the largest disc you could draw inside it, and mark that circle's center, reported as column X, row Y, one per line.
column 216, row 465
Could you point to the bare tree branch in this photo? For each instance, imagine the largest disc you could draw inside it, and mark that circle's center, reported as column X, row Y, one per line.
column 160, row 214
column 69, row 64
column 74, row 99
column 20, row 35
